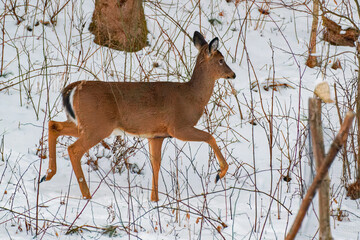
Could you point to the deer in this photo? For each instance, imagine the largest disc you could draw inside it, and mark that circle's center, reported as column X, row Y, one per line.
column 153, row 110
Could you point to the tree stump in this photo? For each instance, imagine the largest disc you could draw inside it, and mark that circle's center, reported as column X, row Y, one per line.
column 119, row 24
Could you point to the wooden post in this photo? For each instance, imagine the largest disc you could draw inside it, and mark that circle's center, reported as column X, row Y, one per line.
column 336, row 145
column 319, row 155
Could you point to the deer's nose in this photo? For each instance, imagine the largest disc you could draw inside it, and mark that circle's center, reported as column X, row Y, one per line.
column 232, row 76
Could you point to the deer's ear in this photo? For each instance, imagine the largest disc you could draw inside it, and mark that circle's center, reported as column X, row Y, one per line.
column 213, row 46
column 198, row 40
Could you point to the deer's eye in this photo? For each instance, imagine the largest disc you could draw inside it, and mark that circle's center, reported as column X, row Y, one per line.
column 221, row 61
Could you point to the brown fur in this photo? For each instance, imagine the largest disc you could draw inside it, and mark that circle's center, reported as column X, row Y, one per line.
column 153, row 110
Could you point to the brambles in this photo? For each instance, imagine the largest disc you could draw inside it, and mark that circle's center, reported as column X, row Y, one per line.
column 259, row 119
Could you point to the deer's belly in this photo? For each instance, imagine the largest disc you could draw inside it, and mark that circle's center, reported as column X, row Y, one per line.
column 121, row 132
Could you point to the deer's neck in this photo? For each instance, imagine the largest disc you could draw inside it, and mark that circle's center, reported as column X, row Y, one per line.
column 201, row 85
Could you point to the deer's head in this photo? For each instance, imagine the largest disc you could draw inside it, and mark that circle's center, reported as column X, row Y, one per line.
column 210, row 59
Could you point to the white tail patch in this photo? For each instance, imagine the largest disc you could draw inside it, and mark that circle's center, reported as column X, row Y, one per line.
column 71, row 100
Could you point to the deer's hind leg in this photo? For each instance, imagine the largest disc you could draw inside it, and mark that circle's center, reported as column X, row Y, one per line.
column 57, row 129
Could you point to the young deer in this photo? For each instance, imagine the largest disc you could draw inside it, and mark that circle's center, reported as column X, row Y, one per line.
column 153, row 110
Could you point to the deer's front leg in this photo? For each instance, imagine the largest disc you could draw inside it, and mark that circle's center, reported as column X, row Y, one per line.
column 193, row 134
column 155, row 157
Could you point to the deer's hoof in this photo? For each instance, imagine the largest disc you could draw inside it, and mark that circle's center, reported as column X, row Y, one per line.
column 154, row 197
column 43, row 179
column 217, row 178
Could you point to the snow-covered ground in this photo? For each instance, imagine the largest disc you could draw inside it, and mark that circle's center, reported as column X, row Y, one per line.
column 252, row 202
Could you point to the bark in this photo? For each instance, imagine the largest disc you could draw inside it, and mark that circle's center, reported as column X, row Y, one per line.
column 321, row 173
column 353, row 190
column 119, row 24
column 358, row 113
column 319, row 154
column 312, row 60
column 335, row 36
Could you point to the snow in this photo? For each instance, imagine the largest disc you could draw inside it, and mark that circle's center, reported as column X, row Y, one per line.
column 253, row 201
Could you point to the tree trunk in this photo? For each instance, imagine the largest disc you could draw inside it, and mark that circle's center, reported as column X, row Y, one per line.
column 312, row 60
column 119, row 24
